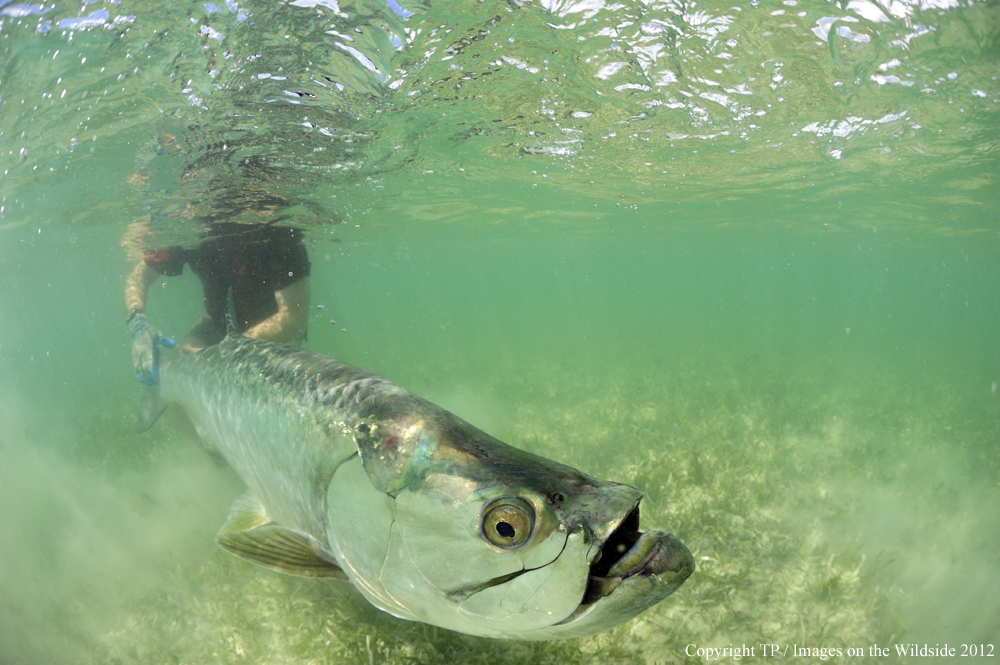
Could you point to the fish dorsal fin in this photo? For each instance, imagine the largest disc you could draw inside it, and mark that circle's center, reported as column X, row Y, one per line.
column 249, row 534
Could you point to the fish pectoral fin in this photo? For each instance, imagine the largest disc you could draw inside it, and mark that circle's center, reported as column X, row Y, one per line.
column 279, row 548
column 246, row 513
column 249, row 534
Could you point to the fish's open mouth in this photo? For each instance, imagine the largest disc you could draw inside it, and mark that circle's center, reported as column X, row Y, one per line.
column 628, row 552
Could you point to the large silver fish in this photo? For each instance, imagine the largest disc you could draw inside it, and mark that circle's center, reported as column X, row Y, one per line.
column 431, row 519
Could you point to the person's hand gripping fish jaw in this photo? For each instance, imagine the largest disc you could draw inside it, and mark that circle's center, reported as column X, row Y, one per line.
column 145, row 340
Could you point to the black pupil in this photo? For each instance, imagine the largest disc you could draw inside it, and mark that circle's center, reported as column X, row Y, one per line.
column 505, row 529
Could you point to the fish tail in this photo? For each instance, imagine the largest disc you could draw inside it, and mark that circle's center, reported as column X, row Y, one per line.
column 152, row 406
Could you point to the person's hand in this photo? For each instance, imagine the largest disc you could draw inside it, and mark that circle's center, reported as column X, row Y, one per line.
column 145, row 355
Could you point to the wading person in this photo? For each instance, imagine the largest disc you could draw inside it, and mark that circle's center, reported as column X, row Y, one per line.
column 265, row 267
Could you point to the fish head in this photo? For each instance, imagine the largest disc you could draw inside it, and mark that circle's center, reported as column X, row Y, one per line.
column 477, row 536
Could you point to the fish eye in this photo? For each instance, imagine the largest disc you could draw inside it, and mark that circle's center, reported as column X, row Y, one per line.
column 508, row 522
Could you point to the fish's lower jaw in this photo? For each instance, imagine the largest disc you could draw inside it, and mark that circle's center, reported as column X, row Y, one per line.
column 669, row 559
column 656, row 565
column 628, row 552
column 655, row 554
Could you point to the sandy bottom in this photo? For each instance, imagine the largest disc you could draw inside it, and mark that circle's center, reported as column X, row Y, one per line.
column 819, row 517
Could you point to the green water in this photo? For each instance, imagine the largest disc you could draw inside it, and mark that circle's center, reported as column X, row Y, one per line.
column 743, row 257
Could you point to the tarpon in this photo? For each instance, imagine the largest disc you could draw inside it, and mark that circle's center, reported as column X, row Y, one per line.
column 431, row 519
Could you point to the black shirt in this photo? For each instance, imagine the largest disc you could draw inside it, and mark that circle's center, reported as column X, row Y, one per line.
column 255, row 260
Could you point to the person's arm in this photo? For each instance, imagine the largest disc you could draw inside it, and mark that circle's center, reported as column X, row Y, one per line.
column 288, row 324
column 137, row 287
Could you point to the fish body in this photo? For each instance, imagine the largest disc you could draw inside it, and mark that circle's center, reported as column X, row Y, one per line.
column 431, row 519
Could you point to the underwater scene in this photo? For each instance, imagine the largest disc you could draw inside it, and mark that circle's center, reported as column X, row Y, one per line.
column 741, row 256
